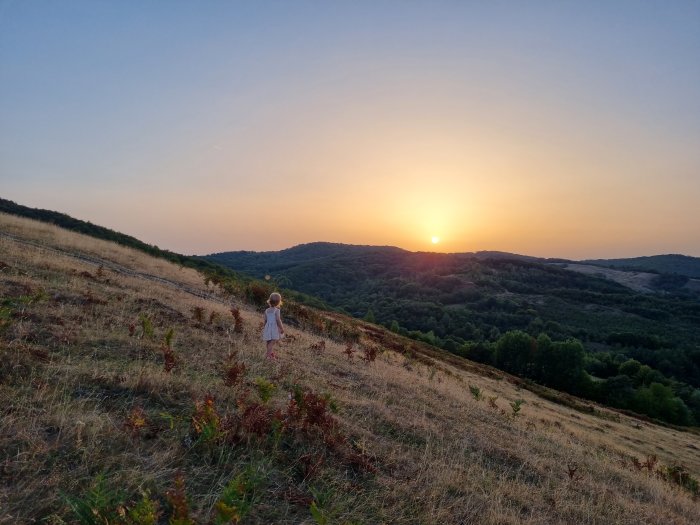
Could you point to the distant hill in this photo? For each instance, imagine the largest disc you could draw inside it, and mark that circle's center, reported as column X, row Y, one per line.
column 250, row 261
column 303, row 253
column 670, row 264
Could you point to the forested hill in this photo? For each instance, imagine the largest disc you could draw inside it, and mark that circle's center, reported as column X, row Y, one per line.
column 253, row 262
column 670, row 264
column 466, row 303
column 316, row 251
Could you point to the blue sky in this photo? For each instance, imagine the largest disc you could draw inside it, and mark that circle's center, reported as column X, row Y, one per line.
column 550, row 128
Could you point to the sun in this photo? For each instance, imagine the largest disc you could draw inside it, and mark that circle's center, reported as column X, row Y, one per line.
column 435, row 239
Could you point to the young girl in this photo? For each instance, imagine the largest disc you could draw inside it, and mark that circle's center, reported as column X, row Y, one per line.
column 273, row 330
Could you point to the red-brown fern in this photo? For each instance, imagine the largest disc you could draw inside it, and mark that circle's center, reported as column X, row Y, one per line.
column 233, row 373
column 237, row 320
column 169, row 358
column 349, row 350
column 318, row 347
column 178, row 501
column 135, row 421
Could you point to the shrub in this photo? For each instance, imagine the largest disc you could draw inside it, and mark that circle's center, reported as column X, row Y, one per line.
column 145, row 512
column 135, row 421
column 265, row 389
column 680, row 475
column 257, row 293
column 237, row 320
column 180, row 511
column 515, row 406
column 169, row 337
column 307, row 410
column 198, row 314
column 258, row 419
column 169, row 358
column 476, row 392
column 349, row 350
column 238, row 497
column 206, row 422
column 370, row 353
column 233, row 373
column 318, row 347
column 100, row 505
column 146, row 326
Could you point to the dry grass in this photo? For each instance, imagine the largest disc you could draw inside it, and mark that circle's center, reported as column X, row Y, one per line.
column 85, row 394
column 637, row 281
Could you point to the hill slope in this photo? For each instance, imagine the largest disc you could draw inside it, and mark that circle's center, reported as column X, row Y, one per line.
column 94, row 428
column 672, row 263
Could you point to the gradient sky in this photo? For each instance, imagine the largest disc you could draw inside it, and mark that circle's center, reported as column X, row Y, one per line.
column 550, row 128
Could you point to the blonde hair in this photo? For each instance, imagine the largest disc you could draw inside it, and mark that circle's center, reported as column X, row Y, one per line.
column 275, row 299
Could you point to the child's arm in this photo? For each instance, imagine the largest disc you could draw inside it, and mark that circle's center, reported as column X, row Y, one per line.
column 279, row 322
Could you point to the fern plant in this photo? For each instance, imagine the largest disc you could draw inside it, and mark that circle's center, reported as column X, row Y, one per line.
column 100, row 505
column 145, row 512
column 180, row 510
column 238, row 497
column 476, row 392
column 146, row 327
column 516, row 405
column 265, row 389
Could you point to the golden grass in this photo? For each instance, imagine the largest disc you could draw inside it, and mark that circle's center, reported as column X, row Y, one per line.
column 72, row 374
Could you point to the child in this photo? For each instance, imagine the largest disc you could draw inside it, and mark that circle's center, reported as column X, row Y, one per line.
column 273, row 330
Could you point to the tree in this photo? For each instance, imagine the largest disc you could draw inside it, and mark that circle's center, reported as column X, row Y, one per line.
column 542, row 355
column 560, row 364
column 515, row 351
column 630, row 368
column 658, row 401
column 617, row 391
column 480, row 352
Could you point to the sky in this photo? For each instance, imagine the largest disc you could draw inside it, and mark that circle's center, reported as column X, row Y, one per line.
column 548, row 128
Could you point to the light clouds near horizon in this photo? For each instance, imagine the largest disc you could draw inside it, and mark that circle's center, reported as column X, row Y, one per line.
column 560, row 129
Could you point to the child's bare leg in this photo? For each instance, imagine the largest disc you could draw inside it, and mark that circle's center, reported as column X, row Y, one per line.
column 270, row 349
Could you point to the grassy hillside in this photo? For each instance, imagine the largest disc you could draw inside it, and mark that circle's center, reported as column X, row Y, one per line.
column 130, row 393
column 100, row 232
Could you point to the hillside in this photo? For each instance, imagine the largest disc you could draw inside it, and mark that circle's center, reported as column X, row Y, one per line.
column 130, row 391
column 671, row 264
column 634, row 280
column 100, row 232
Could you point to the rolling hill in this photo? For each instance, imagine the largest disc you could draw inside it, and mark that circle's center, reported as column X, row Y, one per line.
column 669, row 264
column 133, row 393
column 466, row 303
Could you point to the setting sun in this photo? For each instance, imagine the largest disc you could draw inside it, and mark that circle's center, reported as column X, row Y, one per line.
column 435, row 239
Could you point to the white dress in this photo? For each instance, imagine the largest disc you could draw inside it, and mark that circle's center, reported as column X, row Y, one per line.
column 271, row 330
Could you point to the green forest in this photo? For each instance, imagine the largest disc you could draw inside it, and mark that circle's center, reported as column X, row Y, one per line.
column 578, row 333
